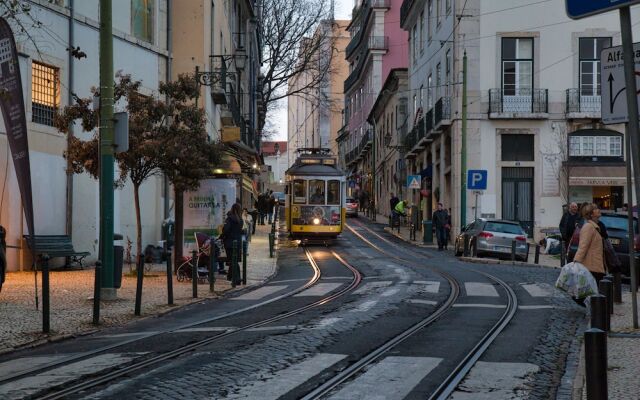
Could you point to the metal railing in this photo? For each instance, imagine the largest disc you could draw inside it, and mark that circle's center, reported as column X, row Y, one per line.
column 521, row 100
column 378, row 43
column 442, row 110
column 578, row 103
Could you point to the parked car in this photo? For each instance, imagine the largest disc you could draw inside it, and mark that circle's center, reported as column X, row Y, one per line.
column 617, row 229
column 351, row 206
column 279, row 196
column 493, row 237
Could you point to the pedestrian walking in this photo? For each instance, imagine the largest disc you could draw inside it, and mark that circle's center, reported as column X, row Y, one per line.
column 247, row 226
column 568, row 222
column 361, row 200
column 232, row 231
column 271, row 206
column 591, row 248
column 262, row 206
column 440, row 220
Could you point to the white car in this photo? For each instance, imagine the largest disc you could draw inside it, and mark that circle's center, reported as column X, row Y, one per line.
column 351, row 206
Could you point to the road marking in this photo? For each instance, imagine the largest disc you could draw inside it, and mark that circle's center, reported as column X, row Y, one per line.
column 285, row 380
column 290, row 280
column 273, row 328
column 391, row 378
column 496, row 381
column 463, row 305
column 319, row 290
column 206, row 329
column 429, row 286
column 371, row 286
column 18, row 365
column 336, row 277
column 366, row 306
column 539, row 289
column 420, row 301
column 260, row 293
column 120, row 335
column 325, row 322
column 480, row 289
column 390, row 292
column 31, row 385
column 538, row 307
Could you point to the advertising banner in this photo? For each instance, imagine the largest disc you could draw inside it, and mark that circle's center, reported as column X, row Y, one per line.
column 13, row 114
column 206, row 208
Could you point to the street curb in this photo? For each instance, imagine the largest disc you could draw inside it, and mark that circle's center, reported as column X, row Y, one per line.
column 415, row 243
column 494, row 261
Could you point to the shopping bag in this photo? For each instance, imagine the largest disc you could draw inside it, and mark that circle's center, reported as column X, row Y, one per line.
column 576, row 280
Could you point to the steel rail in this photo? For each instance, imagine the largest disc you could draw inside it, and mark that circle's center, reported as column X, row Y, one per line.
column 109, row 376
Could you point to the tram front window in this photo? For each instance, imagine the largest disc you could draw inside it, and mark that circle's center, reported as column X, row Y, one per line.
column 316, row 192
column 333, row 192
column 299, row 191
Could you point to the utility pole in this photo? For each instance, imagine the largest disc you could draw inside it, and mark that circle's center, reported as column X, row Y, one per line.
column 463, row 146
column 106, row 150
column 373, row 173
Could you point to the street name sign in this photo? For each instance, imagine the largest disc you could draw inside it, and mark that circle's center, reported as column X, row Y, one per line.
column 413, row 181
column 612, row 84
column 577, row 9
column 477, row 179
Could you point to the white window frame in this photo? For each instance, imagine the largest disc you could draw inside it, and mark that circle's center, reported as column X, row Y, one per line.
column 587, row 146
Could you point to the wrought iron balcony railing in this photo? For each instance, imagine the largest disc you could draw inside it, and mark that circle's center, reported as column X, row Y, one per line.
column 442, row 111
column 518, row 101
column 580, row 102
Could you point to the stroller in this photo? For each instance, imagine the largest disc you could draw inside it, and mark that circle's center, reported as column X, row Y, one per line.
column 203, row 256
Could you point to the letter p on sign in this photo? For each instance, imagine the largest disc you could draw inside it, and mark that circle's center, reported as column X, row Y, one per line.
column 477, row 179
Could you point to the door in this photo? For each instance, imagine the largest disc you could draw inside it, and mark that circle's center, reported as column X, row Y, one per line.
column 517, row 196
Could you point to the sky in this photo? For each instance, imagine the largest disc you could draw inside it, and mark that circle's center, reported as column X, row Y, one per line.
column 279, row 117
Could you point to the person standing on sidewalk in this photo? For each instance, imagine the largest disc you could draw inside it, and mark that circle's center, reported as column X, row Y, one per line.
column 271, row 205
column 568, row 222
column 440, row 220
column 393, row 202
column 591, row 248
column 232, row 231
column 262, row 207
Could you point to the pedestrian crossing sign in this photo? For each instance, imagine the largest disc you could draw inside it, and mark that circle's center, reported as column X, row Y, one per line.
column 413, row 181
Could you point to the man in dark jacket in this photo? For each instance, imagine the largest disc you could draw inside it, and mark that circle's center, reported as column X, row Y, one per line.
column 262, row 206
column 568, row 222
column 393, row 201
column 440, row 220
column 271, row 206
column 232, row 232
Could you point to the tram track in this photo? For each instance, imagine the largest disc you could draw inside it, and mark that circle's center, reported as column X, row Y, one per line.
column 460, row 371
column 76, row 387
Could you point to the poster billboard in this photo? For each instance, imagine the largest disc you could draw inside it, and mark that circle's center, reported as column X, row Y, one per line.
column 206, row 208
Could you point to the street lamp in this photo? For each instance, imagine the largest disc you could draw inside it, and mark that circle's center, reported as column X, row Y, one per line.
column 210, row 78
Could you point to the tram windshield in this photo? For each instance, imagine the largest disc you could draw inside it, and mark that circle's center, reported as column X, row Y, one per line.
column 299, row 191
column 316, row 191
column 333, row 192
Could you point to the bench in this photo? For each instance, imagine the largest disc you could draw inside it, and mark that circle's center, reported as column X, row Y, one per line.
column 56, row 246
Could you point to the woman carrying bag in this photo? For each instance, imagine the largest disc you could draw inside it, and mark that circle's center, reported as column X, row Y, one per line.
column 591, row 247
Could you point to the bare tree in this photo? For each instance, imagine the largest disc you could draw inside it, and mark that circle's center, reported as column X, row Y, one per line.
column 557, row 158
column 298, row 46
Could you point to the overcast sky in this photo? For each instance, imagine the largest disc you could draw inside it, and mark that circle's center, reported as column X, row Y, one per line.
column 343, row 11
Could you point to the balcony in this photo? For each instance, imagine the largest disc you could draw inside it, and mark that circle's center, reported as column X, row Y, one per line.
column 579, row 106
column 522, row 103
column 378, row 43
column 354, row 75
column 442, row 113
column 404, row 10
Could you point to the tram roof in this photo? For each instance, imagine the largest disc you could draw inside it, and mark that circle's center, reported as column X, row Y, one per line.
column 314, row 170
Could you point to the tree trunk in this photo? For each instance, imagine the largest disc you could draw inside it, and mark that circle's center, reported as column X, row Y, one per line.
column 179, row 224
column 136, row 196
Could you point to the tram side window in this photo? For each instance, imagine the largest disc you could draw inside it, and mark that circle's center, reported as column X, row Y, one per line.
column 316, row 191
column 299, row 191
column 333, row 192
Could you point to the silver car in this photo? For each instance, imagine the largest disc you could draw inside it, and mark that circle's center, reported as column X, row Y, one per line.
column 493, row 237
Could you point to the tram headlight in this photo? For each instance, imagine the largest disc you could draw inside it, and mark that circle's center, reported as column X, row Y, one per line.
column 316, row 221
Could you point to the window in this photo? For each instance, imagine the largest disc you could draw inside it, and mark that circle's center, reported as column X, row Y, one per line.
column 589, row 53
column 602, row 146
column 517, row 66
column 213, row 33
column 430, row 17
column 517, row 147
column 333, row 192
column 44, row 93
column 422, row 32
column 414, row 40
column 420, row 102
column 299, row 191
column 429, row 92
column 316, row 191
column 448, row 71
column 438, row 79
column 142, row 13
column 438, row 11
column 448, row 6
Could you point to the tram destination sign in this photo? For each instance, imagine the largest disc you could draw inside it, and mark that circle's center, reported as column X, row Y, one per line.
column 577, row 9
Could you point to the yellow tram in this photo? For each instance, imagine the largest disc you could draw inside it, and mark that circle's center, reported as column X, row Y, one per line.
column 315, row 196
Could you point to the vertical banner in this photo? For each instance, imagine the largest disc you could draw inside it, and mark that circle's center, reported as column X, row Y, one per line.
column 206, row 209
column 13, row 113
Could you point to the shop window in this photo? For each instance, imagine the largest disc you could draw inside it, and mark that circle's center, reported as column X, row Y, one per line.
column 44, row 93
column 517, row 148
column 142, row 15
column 299, row 191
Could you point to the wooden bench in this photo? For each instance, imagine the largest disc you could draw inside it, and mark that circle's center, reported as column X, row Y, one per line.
column 56, row 246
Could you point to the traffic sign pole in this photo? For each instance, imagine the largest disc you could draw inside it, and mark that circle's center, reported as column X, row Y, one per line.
column 631, row 132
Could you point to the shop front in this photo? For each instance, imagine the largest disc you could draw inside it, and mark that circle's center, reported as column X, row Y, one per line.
column 601, row 185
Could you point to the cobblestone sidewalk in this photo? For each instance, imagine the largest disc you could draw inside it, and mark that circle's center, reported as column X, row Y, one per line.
column 72, row 292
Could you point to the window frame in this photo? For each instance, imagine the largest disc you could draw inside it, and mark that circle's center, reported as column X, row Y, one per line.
column 337, row 202
column 41, row 112
column 587, row 146
column 296, row 199
column 593, row 61
column 517, row 61
column 313, row 182
column 152, row 29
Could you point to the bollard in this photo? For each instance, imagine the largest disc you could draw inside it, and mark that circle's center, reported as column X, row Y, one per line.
column 194, row 274
column 46, row 325
column 474, row 247
column 465, row 245
column 234, row 263
column 608, row 291
column 140, row 277
column 617, row 288
column 513, row 251
column 599, row 312
column 271, row 244
column 563, row 254
column 604, row 287
column 595, row 347
column 536, row 259
column 169, row 279
column 212, row 267
column 96, row 293
column 245, row 250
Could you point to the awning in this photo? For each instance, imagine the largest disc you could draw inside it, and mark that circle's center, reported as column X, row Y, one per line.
column 598, row 176
column 248, row 185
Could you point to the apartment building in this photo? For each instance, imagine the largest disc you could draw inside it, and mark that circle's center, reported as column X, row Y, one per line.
column 533, row 90
column 377, row 46
column 314, row 112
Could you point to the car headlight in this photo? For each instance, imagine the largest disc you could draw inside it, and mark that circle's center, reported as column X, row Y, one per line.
column 316, row 221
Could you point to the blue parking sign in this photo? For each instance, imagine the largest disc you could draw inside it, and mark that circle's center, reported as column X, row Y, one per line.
column 577, row 9
column 477, row 179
